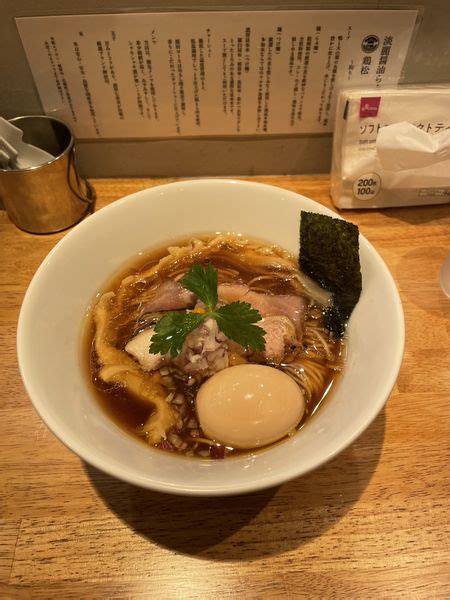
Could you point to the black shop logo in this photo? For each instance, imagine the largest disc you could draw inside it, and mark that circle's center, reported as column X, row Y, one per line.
column 370, row 43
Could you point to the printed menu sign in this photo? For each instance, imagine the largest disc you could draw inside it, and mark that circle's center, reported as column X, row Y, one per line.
column 149, row 75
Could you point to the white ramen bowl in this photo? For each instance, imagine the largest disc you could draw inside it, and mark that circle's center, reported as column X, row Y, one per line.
column 66, row 284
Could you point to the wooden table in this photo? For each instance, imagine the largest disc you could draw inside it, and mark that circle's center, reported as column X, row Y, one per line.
column 373, row 523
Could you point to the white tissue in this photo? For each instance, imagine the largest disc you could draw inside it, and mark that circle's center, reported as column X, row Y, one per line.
column 387, row 157
column 404, row 146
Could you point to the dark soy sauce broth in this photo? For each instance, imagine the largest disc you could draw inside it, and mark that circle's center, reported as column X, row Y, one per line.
column 130, row 413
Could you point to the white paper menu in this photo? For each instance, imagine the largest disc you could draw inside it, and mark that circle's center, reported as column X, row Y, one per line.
column 148, row 75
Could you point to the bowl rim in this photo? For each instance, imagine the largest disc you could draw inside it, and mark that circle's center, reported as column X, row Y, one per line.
column 114, row 469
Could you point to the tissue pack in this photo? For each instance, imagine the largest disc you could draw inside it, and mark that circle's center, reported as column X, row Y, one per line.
column 408, row 164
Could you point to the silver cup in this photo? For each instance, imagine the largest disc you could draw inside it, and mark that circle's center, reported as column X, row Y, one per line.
column 50, row 197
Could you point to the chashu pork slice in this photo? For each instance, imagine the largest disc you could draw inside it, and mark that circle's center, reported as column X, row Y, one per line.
column 267, row 305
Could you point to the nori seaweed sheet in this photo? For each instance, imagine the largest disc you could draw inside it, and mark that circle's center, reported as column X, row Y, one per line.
column 329, row 254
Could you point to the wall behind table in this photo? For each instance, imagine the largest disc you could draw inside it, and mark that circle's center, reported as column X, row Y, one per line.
column 428, row 62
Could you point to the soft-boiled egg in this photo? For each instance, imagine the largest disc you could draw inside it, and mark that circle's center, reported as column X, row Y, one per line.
column 248, row 406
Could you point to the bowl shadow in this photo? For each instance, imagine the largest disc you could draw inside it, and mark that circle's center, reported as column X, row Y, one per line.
column 249, row 526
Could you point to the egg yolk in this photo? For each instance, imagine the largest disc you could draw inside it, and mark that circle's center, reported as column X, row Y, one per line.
column 247, row 406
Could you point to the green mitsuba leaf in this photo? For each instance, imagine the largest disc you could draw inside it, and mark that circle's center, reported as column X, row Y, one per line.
column 236, row 320
column 203, row 282
column 171, row 331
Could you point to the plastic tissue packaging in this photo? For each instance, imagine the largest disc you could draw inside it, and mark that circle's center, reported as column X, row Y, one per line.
column 391, row 147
